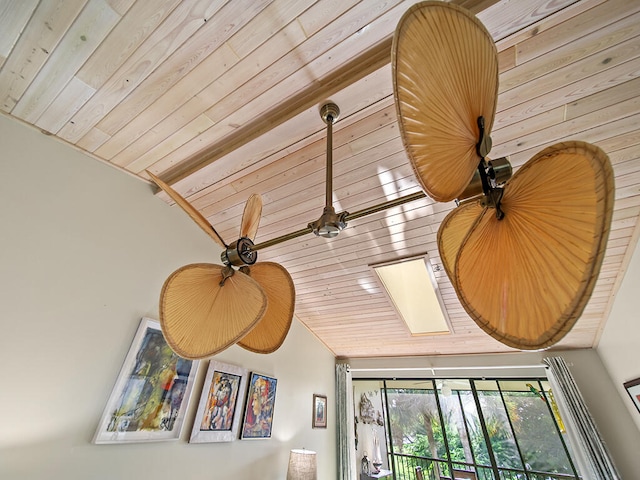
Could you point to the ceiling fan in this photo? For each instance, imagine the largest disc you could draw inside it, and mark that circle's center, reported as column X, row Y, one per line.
column 523, row 251
column 205, row 308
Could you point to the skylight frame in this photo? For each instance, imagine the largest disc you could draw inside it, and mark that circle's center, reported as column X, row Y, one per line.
column 431, row 288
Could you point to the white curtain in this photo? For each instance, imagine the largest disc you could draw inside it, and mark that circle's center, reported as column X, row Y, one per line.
column 589, row 451
column 345, row 427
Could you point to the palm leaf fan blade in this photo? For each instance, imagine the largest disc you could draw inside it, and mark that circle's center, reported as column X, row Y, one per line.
column 189, row 209
column 526, row 279
column 251, row 217
column 200, row 317
column 269, row 334
column 452, row 232
column 445, row 76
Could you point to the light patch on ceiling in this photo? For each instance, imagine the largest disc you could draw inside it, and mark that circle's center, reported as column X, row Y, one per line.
column 413, row 290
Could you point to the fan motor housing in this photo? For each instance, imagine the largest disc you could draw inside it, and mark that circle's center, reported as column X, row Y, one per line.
column 239, row 253
column 498, row 172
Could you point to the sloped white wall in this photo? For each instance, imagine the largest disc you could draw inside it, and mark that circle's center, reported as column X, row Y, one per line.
column 619, row 344
column 84, row 250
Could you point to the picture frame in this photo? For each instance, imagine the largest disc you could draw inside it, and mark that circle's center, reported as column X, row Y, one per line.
column 259, row 407
column 220, row 407
column 633, row 389
column 319, row 411
column 151, row 394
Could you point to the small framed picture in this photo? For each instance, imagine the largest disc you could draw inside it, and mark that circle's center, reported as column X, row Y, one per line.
column 633, row 389
column 150, row 397
column 258, row 413
column 319, row 411
column 220, row 408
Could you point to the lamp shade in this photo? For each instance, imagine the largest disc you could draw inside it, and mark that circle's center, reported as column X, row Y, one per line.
column 302, row 465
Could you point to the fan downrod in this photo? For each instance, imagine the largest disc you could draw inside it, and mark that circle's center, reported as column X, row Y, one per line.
column 330, row 223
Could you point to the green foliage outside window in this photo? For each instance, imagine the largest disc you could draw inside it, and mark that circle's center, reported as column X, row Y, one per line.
column 519, row 424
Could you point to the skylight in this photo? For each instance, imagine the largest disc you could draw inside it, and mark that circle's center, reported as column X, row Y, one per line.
column 413, row 290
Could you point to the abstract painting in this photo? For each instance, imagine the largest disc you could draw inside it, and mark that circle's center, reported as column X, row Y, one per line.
column 151, row 394
column 219, row 410
column 258, row 414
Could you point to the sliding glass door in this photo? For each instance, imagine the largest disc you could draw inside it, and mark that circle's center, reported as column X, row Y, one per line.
column 473, row 429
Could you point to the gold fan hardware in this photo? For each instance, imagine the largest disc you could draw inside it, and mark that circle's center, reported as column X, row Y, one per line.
column 239, row 253
column 226, row 273
column 490, row 175
column 330, row 223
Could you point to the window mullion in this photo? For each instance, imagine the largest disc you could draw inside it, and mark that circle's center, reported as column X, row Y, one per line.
column 387, row 429
column 485, row 433
column 443, row 428
column 466, row 428
column 513, row 432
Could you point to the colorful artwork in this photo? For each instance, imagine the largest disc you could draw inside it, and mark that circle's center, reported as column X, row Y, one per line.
column 150, row 396
column 258, row 416
column 218, row 416
column 633, row 389
column 221, row 402
column 319, row 411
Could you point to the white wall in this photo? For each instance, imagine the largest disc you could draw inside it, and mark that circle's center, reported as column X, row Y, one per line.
column 84, row 250
column 618, row 345
column 613, row 420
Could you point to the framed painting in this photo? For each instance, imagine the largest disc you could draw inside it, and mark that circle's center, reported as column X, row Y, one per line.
column 258, row 412
column 633, row 389
column 150, row 397
column 319, row 411
column 220, row 408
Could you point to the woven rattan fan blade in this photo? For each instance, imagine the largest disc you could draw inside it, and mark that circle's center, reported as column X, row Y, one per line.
column 445, row 76
column 189, row 209
column 453, row 231
column 526, row 279
column 200, row 317
column 269, row 334
column 251, row 217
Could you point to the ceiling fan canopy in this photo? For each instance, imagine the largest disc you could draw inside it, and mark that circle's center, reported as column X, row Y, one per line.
column 522, row 253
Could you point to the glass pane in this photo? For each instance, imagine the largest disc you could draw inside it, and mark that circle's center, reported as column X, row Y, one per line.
column 371, row 445
column 415, row 425
column 534, row 426
column 453, row 395
column 498, row 427
column 476, row 437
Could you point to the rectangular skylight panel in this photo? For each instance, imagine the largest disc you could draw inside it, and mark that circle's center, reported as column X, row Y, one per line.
column 412, row 288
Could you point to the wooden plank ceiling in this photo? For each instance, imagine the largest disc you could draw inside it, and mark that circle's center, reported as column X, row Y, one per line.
column 221, row 98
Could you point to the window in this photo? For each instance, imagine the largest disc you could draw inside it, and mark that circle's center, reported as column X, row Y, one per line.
column 503, row 429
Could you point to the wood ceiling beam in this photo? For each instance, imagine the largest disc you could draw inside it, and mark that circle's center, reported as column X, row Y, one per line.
column 359, row 67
